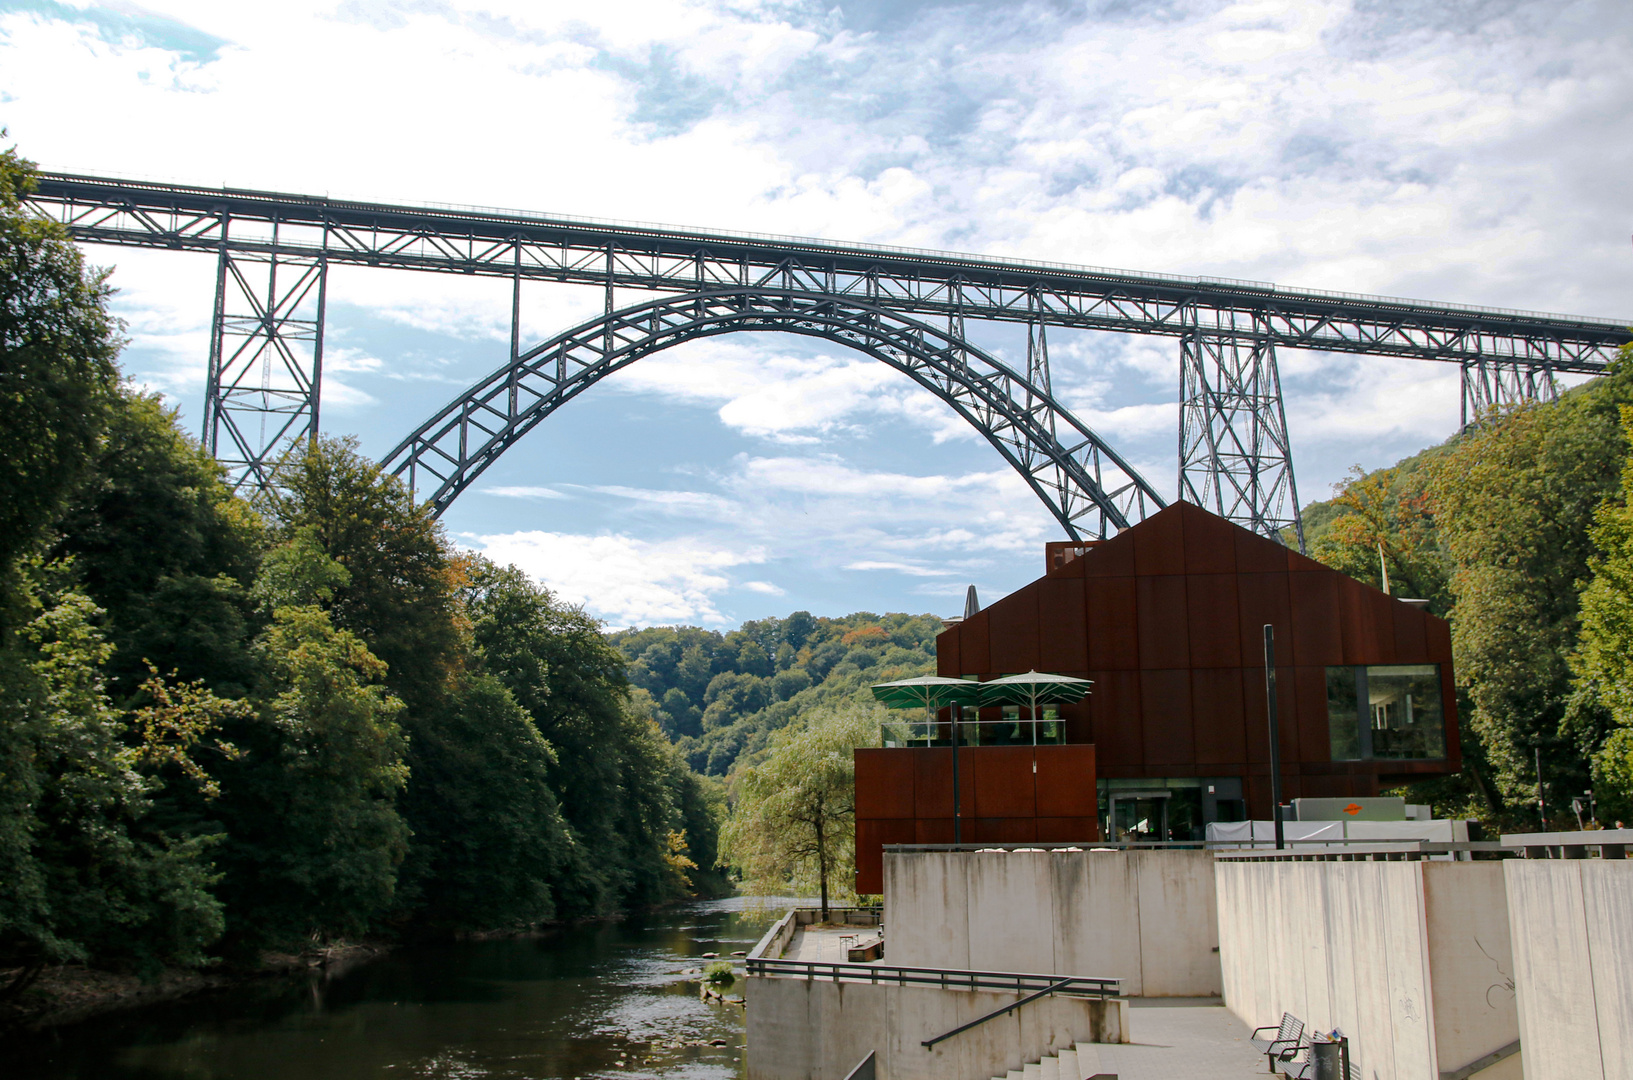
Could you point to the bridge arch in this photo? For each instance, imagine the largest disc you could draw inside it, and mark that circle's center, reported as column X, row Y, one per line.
column 1082, row 481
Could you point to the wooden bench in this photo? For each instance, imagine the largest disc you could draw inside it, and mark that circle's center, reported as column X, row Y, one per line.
column 1283, row 1045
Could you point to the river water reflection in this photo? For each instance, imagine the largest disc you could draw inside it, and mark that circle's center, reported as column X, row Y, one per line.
column 615, row 999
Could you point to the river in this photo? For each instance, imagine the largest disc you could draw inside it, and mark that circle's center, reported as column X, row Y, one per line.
column 606, row 999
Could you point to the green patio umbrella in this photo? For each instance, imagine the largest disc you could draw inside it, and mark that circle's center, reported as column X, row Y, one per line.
column 1033, row 689
column 928, row 692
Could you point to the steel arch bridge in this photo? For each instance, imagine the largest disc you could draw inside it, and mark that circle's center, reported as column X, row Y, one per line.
column 274, row 251
column 1081, row 480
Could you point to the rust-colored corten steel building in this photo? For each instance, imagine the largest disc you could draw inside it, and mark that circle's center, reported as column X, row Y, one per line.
column 1167, row 618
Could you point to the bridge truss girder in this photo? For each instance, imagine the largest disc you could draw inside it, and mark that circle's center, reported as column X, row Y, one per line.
column 1504, row 354
column 508, row 244
column 1085, row 484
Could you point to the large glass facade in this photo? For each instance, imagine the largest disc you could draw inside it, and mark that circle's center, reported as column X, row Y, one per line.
column 1385, row 711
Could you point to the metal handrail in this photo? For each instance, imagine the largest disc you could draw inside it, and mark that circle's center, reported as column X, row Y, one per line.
column 941, row 978
column 1051, row 848
column 992, row 1015
column 1346, row 850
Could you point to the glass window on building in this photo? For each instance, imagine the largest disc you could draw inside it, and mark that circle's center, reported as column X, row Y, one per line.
column 1343, row 714
column 1385, row 711
column 1151, row 811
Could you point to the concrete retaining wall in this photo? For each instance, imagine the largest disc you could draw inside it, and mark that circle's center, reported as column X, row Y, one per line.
column 1146, row 917
column 801, row 1029
column 1572, row 922
column 1411, row 960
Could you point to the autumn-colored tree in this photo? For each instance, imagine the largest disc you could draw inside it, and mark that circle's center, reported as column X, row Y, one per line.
column 1383, row 522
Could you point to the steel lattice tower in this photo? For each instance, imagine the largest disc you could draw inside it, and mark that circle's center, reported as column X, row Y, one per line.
column 266, row 360
column 1235, row 457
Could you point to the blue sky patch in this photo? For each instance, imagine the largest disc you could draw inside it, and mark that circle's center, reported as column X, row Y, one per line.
column 120, row 23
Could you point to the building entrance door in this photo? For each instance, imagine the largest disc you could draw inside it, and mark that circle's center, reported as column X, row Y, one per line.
column 1139, row 815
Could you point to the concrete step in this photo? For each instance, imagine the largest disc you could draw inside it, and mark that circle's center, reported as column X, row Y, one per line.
column 1033, row 1071
column 1016, row 1074
column 1068, row 1065
column 1049, row 1068
column 1088, row 1060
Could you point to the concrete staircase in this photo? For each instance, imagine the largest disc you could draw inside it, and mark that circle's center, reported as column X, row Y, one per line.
column 1081, row 1062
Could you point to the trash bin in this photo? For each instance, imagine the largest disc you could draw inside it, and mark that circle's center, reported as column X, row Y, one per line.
column 1327, row 1054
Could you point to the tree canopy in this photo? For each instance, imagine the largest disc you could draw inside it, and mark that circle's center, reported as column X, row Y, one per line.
column 1512, row 530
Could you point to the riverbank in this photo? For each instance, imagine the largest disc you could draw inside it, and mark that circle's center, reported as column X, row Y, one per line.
column 70, row 993
column 618, row 997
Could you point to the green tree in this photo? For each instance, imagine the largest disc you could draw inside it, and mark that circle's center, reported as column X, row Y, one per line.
column 58, row 375
column 612, row 765
column 166, row 550
column 1603, row 662
column 792, row 827
column 97, row 881
column 399, row 596
column 1384, row 521
column 315, row 838
column 1514, row 502
column 489, row 834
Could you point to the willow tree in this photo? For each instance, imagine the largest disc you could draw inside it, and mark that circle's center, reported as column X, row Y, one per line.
column 793, row 827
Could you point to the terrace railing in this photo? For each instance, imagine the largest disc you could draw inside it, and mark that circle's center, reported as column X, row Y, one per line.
column 940, row 978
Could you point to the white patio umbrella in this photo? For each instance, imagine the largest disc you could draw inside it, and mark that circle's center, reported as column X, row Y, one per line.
column 1032, row 689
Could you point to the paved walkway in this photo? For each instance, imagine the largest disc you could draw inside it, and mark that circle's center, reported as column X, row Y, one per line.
column 826, row 944
column 1181, row 1038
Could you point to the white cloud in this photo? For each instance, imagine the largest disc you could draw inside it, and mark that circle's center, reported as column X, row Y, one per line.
column 900, row 568
column 788, row 397
column 342, row 397
column 348, row 359
column 523, row 492
column 625, row 580
column 765, row 587
column 664, row 501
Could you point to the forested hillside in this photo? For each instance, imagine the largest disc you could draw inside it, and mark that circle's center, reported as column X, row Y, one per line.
column 1518, row 532
column 720, row 696
column 227, row 727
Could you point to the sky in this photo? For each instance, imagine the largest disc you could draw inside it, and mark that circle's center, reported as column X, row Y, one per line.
column 1476, row 151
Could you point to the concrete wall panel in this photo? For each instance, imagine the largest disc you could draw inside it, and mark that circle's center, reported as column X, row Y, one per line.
column 1607, row 900
column 1572, row 927
column 1146, row 918
column 1097, row 917
column 1471, row 960
column 1355, row 946
column 1011, row 913
column 1553, row 970
column 812, row 1030
column 926, row 911
column 1406, row 949
column 1178, row 928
